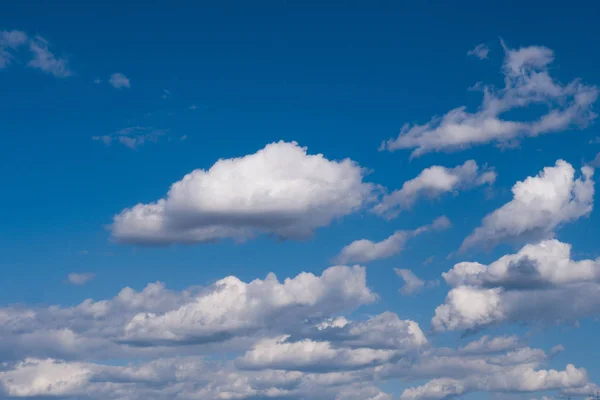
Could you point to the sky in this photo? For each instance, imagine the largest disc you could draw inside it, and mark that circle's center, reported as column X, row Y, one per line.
column 299, row 200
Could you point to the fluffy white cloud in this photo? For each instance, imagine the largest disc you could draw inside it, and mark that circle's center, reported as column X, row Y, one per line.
column 524, row 287
column 480, row 51
column 40, row 56
column 311, row 356
column 432, row 182
column 279, row 190
column 540, row 204
column 364, row 250
column 119, row 81
column 527, row 81
column 235, row 307
column 383, row 331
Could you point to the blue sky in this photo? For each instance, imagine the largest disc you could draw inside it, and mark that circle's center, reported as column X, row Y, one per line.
column 122, row 100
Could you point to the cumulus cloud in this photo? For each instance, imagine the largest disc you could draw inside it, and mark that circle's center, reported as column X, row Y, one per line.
column 365, row 250
column 308, row 355
column 480, row 51
column 132, row 137
column 540, row 204
column 279, row 190
column 299, row 346
column 39, row 56
column 80, row 278
column 527, row 82
column 412, row 283
column 528, row 287
column 119, row 81
column 432, row 182
column 235, row 307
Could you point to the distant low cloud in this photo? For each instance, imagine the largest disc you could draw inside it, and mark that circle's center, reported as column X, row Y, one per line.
column 80, row 278
column 527, row 82
column 365, row 250
column 38, row 55
column 480, row 51
column 119, row 81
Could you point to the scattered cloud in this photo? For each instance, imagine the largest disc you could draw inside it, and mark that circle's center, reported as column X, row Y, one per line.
column 527, row 287
column 480, row 51
column 432, row 182
column 279, row 190
column 412, row 283
column 365, row 250
column 595, row 163
column 39, row 56
column 132, row 137
column 166, row 94
column 193, row 107
column 80, row 278
column 540, row 205
column 527, row 82
column 119, row 81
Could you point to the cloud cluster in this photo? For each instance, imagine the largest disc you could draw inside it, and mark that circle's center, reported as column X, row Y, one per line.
column 279, row 190
column 261, row 339
column 37, row 54
column 527, row 287
column 433, row 182
column 540, row 204
column 527, row 82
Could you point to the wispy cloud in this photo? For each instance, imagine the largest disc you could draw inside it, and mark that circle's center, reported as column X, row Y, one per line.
column 80, row 278
column 166, row 94
column 119, row 81
column 43, row 59
column 480, row 51
column 132, row 137
column 40, row 57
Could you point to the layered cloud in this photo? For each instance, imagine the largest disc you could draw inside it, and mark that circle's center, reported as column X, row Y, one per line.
column 527, row 287
column 34, row 51
column 540, row 205
column 433, row 182
column 365, row 250
column 294, row 344
column 279, row 190
column 527, row 82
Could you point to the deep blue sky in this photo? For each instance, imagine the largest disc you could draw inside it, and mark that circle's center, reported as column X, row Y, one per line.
column 337, row 77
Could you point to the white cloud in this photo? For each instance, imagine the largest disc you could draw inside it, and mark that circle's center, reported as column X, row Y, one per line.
column 480, row 51
column 364, row 250
column 540, row 205
column 432, row 182
column 279, row 190
column 529, row 287
column 10, row 41
column 308, row 355
column 43, row 59
column 412, row 283
column 119, row 81
column 40, row 56
column 80, row 278
column 527, row 82
column 237, row 308
column 132, row 137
